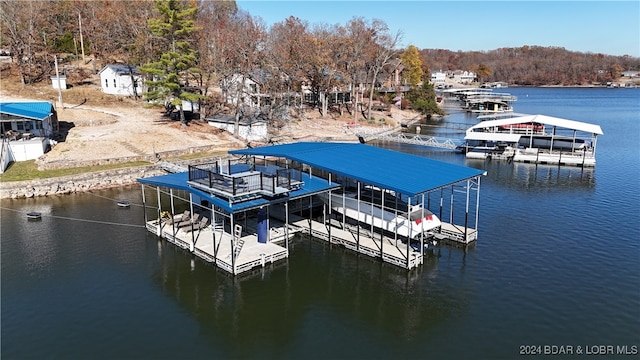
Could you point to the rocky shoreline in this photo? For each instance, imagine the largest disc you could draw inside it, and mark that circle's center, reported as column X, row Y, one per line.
column 76, row 183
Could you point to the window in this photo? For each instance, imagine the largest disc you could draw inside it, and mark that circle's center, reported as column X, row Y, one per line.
column 106, row 83
column 114, row 82
column 20, row 125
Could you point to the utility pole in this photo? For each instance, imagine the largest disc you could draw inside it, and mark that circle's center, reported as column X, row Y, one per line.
column 81, row 42
column 55, row 58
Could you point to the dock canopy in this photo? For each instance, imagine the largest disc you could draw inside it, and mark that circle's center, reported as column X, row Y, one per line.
column 407, row 174
column 180, row 181
column 541, row 119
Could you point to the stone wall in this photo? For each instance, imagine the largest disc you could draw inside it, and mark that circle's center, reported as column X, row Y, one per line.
column 76, row 183
column 63, row 164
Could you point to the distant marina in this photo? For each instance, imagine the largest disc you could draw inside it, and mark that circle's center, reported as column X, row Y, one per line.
column 501, row 134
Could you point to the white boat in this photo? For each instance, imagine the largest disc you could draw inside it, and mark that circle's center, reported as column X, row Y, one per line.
column 395, row 217
column 533, row 138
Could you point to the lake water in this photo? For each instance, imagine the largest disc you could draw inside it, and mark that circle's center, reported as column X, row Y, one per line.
column 557, row 263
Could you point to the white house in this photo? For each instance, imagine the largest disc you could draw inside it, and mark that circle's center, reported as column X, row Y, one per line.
column 463, row 77
column 241, row 90
column 121, row 80
column 27, row 128
column 438, row 77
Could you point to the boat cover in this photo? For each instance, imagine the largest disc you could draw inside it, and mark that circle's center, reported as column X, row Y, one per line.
column 541, row 119
column 404, row 173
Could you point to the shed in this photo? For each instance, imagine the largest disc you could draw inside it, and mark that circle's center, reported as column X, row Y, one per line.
column 61, row 80
column 250, row 129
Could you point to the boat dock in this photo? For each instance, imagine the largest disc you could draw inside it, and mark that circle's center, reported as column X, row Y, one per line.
column 215, row 245
column 240, row 214
column 534, row 139
column 380, row 246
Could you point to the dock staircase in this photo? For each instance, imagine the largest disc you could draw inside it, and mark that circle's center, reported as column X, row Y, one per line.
column 237, row 232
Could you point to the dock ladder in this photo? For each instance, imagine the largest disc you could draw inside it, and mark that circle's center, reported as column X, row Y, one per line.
column 238, row 247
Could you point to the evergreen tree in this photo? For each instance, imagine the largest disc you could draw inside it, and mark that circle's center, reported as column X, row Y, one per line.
column 169, row 76
column 423, row 99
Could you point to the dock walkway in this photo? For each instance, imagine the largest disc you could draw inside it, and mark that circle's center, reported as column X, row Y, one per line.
column 375, row 245
column 215, row 245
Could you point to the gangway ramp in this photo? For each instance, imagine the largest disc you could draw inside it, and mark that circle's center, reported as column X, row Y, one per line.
column 415, row 139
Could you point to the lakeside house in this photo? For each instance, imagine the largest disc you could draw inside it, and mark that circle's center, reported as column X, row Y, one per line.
column 463, row 77
column 438, row 78
column 117, row 79
column 243, row 90
column 27, row 129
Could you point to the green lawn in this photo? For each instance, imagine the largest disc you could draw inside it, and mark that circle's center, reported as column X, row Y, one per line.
column 28, row 170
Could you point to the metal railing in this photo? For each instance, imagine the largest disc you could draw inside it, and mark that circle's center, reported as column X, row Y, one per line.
column 248, row 181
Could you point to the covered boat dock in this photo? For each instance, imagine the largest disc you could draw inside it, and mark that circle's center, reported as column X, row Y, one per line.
column 414, row 179
column 219, row 212
column 239, row 213
column 537, row 139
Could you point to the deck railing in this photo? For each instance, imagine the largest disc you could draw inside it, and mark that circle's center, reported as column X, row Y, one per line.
column 246, row 180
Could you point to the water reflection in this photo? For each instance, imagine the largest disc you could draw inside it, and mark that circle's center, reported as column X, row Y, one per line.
column 525, row 176
column 356, row 289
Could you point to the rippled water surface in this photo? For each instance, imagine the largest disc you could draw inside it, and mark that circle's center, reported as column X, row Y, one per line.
column 556, row 263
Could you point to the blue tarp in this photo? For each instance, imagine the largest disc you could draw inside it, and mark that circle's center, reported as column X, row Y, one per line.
column 38, row 110
column 407, row 174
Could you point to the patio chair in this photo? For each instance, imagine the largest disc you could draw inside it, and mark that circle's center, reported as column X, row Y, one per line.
column 204, row 222
column 178, row 218
column 188, row 222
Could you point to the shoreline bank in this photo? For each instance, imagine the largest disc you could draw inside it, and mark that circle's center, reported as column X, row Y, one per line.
column 76, row 183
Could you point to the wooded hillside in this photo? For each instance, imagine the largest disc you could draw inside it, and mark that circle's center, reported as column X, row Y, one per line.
column 535, row 65
column 229, row 41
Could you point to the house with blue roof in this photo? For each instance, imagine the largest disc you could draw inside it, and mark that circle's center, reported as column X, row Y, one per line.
column 27, row 129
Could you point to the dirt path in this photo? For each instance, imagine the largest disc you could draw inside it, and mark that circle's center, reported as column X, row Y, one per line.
column 97, row 133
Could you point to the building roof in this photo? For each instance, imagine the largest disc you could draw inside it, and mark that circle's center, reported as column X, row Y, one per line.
column 541, row 119
column 312, row 185
column 230, row 119
column 38, row 110
column 404, row 173
column 120, row 69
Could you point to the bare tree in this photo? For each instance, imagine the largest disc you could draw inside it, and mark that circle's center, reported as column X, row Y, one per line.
column 247, row 40
column 358, row 38
column 24, row 31
column 382, row 53
column 288, row 51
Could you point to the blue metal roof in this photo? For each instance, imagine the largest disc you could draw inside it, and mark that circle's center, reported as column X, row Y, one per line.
column 179, row 181
column 404, row 173
column 38, row 110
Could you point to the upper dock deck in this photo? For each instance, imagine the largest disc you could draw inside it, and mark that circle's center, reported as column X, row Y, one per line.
column 241, row 182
